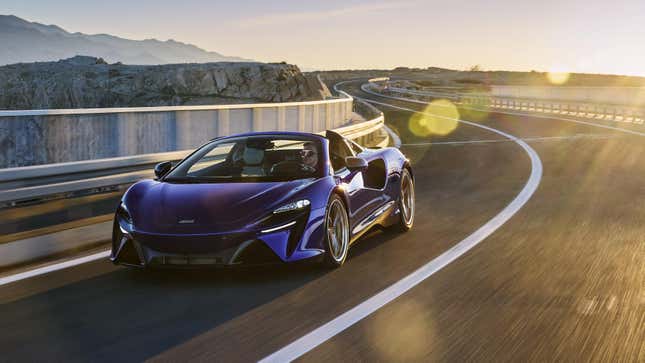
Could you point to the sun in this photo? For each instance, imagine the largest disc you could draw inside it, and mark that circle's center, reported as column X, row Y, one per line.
column 558, row 78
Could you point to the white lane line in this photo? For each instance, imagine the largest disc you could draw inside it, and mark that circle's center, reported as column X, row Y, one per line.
column 335, row 87
column 55, row 267
column 396, row 140
column 354, row 315
column 367, row 90
column 527, row 139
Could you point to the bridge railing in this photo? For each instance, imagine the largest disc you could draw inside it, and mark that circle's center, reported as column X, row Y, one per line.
column 594, row 111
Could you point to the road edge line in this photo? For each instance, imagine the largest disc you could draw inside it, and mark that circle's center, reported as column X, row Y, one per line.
column 330, row 329
column 54, row 267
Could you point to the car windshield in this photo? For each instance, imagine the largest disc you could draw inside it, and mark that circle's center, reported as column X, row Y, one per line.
column 249, row 159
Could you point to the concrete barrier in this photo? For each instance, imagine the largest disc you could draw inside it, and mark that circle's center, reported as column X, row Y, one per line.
column 37, row 137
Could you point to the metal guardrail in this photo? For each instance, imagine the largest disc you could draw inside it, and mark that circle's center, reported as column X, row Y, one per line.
column 614, row 113
column 445, row 95
column 584, row 110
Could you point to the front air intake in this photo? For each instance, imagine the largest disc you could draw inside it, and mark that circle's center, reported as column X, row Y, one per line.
column 256, row 253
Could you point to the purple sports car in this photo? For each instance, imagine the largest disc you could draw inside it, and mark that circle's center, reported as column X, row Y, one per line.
column 260, row 198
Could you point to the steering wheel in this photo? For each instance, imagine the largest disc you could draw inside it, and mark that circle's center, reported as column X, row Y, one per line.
column 291, row 167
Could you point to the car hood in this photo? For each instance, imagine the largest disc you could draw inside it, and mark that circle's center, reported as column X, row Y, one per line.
column 161, row 207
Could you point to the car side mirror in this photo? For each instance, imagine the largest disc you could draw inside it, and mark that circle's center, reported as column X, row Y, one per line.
column 355, row 163
column 162, row 168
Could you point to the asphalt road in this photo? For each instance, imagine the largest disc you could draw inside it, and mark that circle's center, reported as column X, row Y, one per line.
column 562, row 280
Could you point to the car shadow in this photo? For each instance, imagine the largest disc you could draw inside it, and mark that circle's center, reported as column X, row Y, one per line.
column 132, row 315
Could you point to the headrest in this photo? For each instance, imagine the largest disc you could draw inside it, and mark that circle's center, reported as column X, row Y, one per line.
column 253, row 156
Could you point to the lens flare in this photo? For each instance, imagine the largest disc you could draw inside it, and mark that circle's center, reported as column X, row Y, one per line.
column 407, row 342
column 558, row 78
column 438, row 118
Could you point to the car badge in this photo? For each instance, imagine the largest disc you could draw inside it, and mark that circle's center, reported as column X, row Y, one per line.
column 186, row 221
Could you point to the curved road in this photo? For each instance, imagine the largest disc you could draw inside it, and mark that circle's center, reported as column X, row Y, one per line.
column 563, row 279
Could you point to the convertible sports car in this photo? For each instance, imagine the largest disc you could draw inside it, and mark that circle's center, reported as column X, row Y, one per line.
column 259, row 198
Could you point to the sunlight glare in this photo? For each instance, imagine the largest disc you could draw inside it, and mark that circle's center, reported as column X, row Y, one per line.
column 438, row 118
column 558, row 78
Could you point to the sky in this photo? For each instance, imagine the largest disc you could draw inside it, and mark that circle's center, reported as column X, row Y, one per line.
column 546, row 35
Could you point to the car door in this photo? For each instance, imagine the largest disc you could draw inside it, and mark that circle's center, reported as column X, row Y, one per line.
column 363, row 201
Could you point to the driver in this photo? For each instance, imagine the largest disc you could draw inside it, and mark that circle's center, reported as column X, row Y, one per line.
column 309, row 155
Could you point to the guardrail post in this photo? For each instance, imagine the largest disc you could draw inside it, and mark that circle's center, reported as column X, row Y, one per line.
column 328, row 116
column 301, row 117
column 257, row 119
column 223, row 122
column 282, row 118
column 316, row 117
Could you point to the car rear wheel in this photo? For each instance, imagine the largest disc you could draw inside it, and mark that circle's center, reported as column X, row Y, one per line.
column 406, row 202
column 336, row 232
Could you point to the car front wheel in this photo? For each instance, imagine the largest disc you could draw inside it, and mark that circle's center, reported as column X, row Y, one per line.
column 336, row 232
column 406, row 202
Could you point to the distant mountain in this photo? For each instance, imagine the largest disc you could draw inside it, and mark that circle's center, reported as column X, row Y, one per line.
column 24, row 41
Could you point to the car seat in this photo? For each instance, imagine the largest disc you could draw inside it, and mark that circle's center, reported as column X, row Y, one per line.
column 253, row 159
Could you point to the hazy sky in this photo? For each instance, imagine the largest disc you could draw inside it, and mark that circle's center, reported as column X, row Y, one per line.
column 559, row 35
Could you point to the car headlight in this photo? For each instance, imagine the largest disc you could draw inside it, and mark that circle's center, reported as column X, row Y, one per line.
column 122, row 212
column 300, row 204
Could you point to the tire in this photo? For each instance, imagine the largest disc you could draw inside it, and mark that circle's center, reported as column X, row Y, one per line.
column 337, row 235
column 406, row 202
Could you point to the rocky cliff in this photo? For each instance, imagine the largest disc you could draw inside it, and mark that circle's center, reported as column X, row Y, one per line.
column 85, row 82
